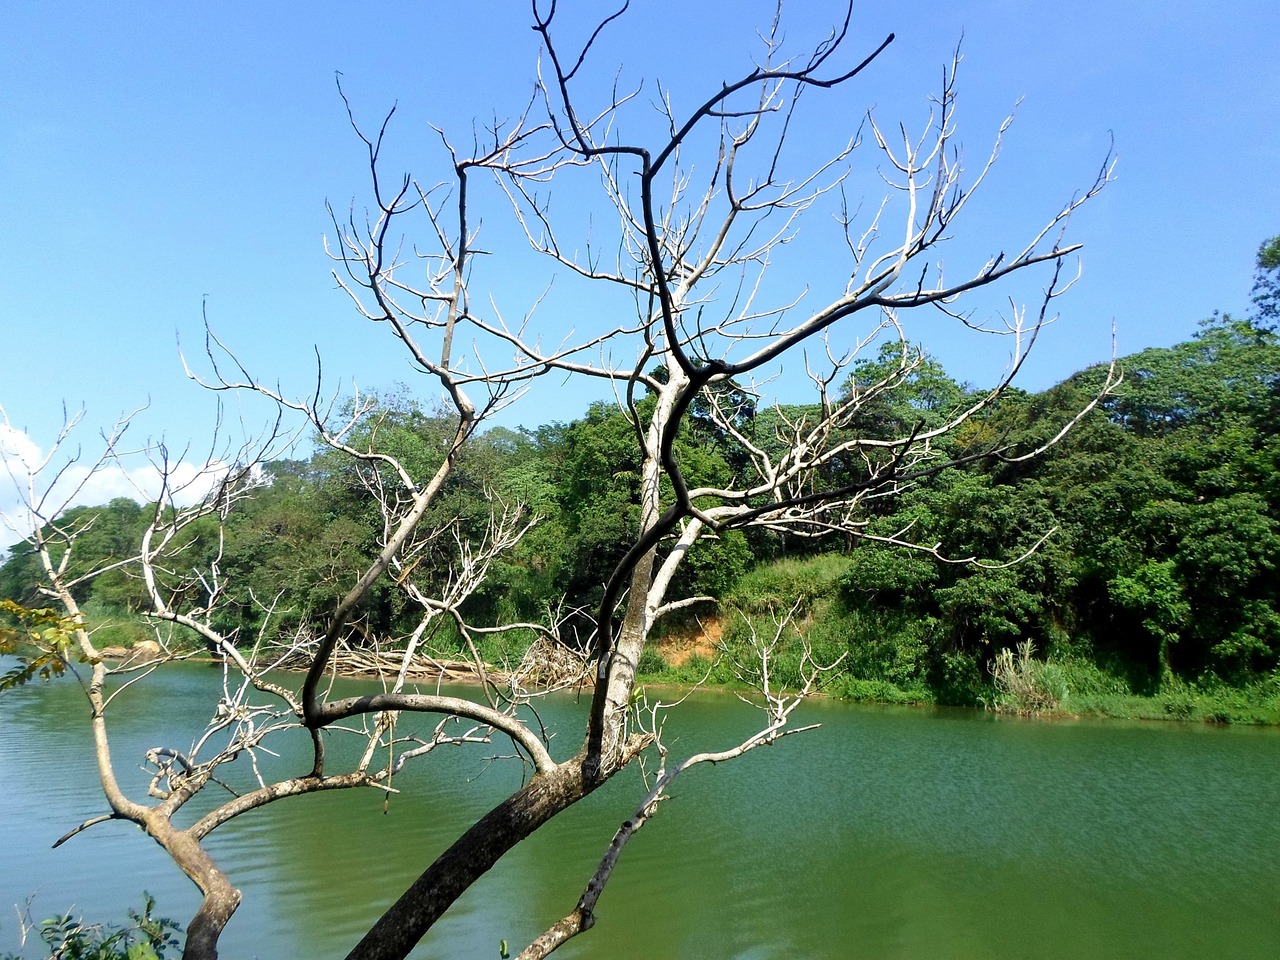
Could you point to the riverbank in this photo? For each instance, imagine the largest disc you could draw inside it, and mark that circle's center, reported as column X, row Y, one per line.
column 1074, row 689
column 680, row 659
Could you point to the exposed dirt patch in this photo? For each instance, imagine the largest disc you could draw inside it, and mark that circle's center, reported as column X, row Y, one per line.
column 698, row 637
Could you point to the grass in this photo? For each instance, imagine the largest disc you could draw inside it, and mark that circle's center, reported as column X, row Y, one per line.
column 114, row 627
column 1073, row 687
column 778, row 585
column 1206, row 701
column 860, row 690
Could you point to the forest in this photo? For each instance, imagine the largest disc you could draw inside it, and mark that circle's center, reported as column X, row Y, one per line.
column 1136, row 557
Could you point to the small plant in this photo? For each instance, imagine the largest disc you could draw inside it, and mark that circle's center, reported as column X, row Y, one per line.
column 651, row 663
column 147, row 938
column 1025, row 685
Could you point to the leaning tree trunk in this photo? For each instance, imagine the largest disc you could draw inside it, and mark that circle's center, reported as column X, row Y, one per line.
column 398, row 930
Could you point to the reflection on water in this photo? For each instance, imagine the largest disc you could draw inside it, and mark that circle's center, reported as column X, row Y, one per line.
column 888, row 833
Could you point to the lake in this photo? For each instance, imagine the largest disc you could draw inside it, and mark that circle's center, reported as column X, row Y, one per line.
column 887, row 833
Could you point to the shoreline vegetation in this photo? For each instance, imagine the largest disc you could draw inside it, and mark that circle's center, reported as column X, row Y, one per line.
column 684, row 657
column 1130, row 571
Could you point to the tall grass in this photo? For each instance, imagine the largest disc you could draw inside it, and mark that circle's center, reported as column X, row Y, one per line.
column 778, row 585
column 1025, row 685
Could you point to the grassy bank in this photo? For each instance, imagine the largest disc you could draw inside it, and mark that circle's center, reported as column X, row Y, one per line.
column 883, row 658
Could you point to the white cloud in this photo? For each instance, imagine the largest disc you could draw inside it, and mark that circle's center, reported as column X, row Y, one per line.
column 18, row 456
column 80, row 484
column 16, row 445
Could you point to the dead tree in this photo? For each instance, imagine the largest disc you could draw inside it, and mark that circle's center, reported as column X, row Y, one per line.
column 699, row 216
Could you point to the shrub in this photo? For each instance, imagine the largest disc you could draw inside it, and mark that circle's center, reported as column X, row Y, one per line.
column 651, row 662
column 1025, row 685
column 147, row 938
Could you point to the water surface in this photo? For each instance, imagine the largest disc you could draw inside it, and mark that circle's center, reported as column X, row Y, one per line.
column 887, row 833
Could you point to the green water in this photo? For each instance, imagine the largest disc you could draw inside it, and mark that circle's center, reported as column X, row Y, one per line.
column 888, row 833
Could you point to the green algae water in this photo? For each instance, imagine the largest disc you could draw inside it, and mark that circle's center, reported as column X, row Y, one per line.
column 886, row 833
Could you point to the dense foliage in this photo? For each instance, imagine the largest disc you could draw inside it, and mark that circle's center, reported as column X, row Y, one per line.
column 1162, row 565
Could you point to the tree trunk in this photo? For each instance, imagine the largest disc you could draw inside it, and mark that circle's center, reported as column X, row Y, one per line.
column 398, row 930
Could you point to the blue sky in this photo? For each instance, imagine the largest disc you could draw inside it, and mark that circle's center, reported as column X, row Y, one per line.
column 156, row 155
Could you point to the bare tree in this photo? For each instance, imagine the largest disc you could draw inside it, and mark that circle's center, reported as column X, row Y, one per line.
column 700, row 214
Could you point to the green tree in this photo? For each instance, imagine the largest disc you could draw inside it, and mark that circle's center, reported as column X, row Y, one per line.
column 911, row 391
column 1266, row 284
column 103, row 536
column 1155, row 595
column 601, row 499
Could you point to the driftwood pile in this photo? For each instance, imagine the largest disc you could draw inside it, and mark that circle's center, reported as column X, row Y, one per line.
column 546, row 665
column 377, row 665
